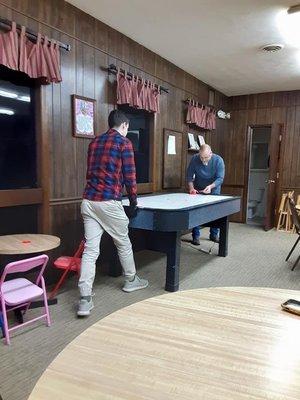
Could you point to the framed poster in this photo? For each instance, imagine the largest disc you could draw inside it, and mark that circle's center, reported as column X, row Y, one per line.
column 83, row 116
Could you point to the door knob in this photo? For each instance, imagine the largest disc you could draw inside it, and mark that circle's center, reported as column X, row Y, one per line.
column 270, row 181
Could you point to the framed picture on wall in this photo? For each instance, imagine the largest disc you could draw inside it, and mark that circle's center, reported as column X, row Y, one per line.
column 83, row 116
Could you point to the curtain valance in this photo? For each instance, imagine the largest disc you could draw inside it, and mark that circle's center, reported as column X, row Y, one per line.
column 39, row 60
column 137, row 92
column 202, row 116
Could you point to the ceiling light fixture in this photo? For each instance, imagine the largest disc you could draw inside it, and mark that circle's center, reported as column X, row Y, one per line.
column 294, row 9
column 289, row 25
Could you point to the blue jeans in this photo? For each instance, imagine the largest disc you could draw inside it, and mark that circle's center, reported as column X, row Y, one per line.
column 214, row 232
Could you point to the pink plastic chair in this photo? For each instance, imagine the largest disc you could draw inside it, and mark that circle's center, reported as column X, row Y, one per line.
column 19, row 292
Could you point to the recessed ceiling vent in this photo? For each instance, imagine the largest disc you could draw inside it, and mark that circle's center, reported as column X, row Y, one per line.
column 271, row 48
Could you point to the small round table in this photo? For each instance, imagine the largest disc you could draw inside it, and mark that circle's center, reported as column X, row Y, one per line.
column 27, row 243
column 217, row 343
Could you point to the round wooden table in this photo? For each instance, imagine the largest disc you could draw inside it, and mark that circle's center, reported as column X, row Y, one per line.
column 217, row 343
column 27, row 243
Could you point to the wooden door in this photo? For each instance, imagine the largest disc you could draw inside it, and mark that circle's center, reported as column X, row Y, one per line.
column 173, row 159
column 273, row 179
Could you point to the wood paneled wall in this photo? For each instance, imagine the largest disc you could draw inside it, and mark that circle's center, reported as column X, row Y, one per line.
column 262, row 109
column 94, row 47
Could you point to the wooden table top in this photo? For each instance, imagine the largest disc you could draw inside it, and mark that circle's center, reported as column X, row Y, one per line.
column 27, row 243
column 210, row 344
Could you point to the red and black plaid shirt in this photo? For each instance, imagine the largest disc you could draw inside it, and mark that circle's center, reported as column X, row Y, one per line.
column 110, row 166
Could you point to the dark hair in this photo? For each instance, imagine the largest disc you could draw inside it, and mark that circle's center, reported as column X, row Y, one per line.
column 116, row 118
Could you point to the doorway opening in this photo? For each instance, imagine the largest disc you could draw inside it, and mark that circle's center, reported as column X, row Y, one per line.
column 141, row 135
column 258, row 175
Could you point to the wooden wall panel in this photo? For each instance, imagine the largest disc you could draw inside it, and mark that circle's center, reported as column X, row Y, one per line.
column 68, row 161
column 263, row 109
column 234, row 191
column 66, row 223
column 149, row 65
column 101, row 36
column 84, row 27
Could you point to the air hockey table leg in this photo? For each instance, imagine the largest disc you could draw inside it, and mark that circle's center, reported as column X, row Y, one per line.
column 223, row 245
column 173, row 262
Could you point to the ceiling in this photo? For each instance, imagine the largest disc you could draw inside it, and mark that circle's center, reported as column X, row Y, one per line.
column 217, row 41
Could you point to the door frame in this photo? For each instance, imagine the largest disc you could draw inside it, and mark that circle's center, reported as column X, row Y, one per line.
column 43, row 157
column 151, row 186
column 247, row 164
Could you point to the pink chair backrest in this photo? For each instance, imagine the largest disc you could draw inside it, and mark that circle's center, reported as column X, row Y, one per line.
column 25, row 266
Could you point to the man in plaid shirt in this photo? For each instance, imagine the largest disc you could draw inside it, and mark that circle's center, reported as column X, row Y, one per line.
column 110, row 166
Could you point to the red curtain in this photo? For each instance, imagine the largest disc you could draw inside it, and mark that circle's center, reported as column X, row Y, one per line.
column 40, row 60
column 202, row 116
column 137, row 92
column 9, row 48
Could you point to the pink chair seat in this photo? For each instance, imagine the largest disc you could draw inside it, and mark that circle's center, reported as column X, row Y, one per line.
column 20, row 290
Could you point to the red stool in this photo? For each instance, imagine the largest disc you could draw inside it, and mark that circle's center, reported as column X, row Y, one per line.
column 68, row 264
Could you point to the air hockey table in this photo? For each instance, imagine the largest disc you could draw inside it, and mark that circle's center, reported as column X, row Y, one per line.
column 161, row 219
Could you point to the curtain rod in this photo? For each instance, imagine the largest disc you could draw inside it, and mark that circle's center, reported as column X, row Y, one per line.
column 113, row 70
column 191, row 101
column 32, row 34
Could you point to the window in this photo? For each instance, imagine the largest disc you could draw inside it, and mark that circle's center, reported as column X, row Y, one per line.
column 17, row 132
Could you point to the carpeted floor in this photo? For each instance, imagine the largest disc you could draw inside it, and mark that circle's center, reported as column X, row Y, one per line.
column 256, row 258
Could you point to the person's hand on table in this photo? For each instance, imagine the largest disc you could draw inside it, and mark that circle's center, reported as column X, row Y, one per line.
column 193, row 191
column 207, row 190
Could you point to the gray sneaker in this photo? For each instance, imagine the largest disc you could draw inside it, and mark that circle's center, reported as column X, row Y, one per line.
column 136, row 284
column 84, row 307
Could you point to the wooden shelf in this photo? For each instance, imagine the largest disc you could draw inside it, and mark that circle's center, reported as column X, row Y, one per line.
column 193, row 151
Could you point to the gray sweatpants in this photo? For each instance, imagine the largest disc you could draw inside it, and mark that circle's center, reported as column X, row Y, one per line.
column 100, row 216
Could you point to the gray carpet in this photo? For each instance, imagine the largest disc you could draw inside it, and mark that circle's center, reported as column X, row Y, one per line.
column 256, row 258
